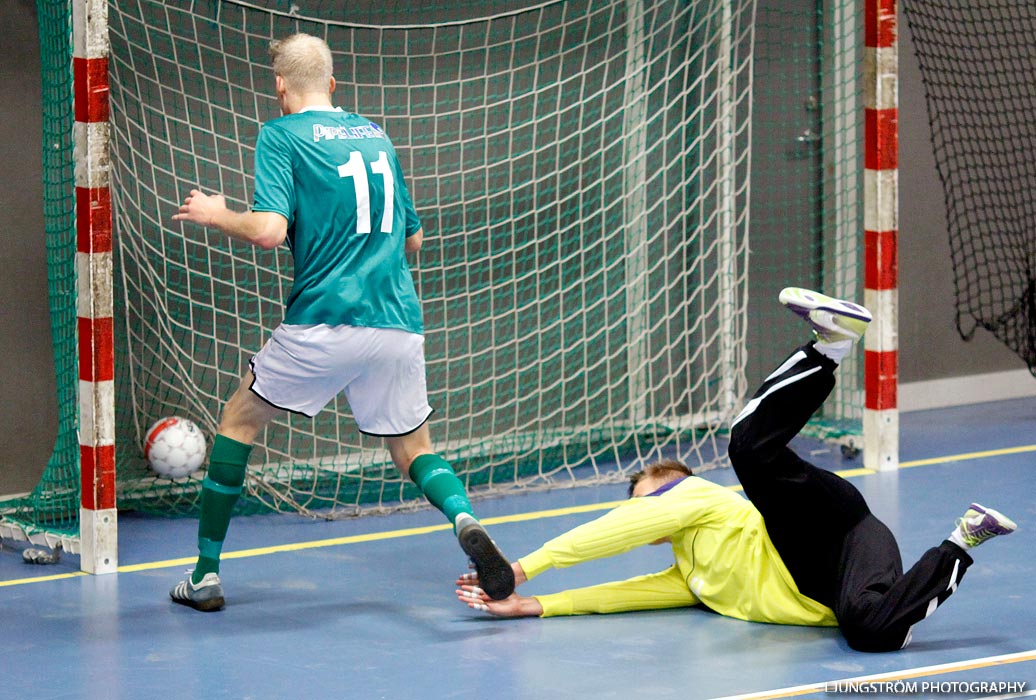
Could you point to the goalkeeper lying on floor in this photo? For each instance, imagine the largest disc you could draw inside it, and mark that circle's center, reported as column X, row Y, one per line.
column 803, row 549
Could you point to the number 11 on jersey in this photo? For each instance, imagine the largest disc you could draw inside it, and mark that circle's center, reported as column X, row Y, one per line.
column 357, row 170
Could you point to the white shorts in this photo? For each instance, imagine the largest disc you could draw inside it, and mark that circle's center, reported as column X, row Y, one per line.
column 381, row 371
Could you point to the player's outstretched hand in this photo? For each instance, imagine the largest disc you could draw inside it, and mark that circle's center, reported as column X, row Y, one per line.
column 469, row 593
column 512, row 606
column 200, row 208
column 472, row 578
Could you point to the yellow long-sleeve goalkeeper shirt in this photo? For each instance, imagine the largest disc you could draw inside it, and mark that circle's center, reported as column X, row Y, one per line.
column 724, row 559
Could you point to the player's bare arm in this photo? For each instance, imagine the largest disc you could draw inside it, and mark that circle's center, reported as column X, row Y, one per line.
column 260, row 228
column 414, row 241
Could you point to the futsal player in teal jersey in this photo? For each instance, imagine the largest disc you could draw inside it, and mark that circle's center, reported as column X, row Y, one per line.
column 802, row 549
column 329, row 183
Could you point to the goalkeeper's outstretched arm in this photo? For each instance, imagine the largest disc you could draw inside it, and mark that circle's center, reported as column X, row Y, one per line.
column 665, row 589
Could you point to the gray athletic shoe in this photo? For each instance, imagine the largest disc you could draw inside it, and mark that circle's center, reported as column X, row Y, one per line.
column 207, row 595
column 495, row 575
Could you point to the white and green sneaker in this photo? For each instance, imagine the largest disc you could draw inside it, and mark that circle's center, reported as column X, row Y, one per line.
column 833, row 320
column 206, row 595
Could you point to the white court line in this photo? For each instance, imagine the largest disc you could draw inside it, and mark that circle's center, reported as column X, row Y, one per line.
column 896, row 675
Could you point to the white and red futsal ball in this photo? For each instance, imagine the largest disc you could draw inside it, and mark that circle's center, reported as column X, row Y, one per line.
column 174, row 447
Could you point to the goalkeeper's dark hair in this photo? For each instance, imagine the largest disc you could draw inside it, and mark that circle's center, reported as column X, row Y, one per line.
column 668, row 468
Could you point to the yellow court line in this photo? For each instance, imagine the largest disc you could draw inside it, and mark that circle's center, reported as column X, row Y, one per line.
column 970, row 455
column 42, row 579
column 516, row 518
column 906, row 674
column 298, row 546
column 371, row 537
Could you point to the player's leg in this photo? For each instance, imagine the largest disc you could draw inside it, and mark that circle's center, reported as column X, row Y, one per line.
column 275, row 382
column 799, row 386
column 786, row 489
column 878, row 604
column 390, row 399
column 413, row 456
column 782, row 405
column 244, row 415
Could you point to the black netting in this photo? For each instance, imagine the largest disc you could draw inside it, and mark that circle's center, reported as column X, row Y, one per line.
column 978, row 64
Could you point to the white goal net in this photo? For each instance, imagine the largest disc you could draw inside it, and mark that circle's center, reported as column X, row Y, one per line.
column 581, row 172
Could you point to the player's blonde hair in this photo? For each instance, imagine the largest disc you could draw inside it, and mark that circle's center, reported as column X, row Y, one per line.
column 304, row 61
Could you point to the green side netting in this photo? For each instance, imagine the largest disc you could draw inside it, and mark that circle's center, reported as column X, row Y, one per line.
column 585, row 171
column 51, row 512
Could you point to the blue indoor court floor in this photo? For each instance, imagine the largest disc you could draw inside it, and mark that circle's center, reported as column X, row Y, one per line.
column 364, row 608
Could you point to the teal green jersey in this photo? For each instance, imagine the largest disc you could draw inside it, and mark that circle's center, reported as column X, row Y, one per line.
column 336, row 178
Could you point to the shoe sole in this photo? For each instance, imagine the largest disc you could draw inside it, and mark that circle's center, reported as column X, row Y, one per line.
column 495, row 575
column 823, row 303
column 210, row 605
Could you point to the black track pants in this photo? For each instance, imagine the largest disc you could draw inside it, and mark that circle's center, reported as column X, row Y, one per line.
column 838, row 553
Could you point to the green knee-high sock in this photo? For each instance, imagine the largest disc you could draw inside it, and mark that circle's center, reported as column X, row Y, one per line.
column 220, row 491
column 440, row 485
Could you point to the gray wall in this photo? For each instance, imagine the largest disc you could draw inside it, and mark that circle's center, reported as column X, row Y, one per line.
column 28, row 403
column 930, row 348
